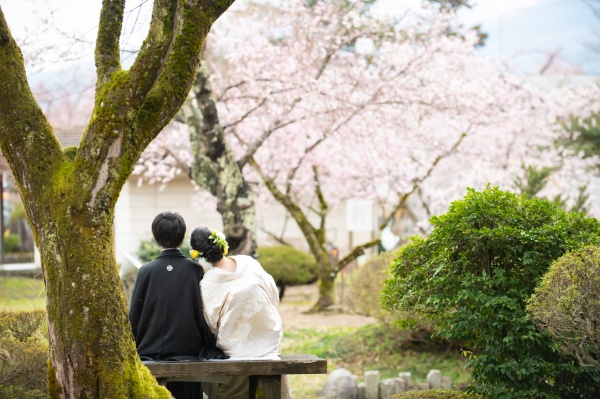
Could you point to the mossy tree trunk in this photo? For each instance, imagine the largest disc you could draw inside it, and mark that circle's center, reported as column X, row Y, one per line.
column 69, row 195
column 216, row 169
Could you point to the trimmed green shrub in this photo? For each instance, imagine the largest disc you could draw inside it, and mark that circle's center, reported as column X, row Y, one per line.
column 288, row 265
column 567, row 304
column 473, row 276
column 23, row 355
column 12, row 243
column 435, row 394
column 149, row 249
column 366, row 284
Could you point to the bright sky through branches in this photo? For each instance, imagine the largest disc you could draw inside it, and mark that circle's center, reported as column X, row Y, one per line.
column 521, row 32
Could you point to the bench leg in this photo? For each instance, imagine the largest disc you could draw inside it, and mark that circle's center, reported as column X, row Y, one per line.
column 271, row 385
column 253, row 385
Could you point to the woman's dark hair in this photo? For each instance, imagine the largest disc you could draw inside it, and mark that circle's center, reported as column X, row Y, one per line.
column 168, row 229
column 200, row 242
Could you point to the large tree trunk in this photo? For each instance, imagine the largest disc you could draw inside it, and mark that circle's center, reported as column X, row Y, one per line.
column 92, row 354
column 326, row 286
column 216, row 169
column 69, row 195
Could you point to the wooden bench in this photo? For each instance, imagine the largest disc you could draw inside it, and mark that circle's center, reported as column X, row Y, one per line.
column 264, row 373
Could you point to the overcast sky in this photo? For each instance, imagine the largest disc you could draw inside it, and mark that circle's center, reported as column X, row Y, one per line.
column 524, row 32
column 521, row 32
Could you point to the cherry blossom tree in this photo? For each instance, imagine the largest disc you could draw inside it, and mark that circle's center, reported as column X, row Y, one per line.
column 355, row 108
column 69, row 194
column 331, row 103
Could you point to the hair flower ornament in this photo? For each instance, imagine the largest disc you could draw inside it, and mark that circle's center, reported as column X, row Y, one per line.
column 219, row 239
column 195, row 254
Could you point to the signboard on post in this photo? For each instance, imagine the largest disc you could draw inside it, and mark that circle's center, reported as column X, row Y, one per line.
column 359, row 214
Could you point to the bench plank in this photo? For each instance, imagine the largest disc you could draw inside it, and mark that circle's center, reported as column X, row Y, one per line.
column 288, row 364
column 264, row 373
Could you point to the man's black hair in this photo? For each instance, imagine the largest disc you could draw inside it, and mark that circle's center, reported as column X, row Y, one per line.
column 168, row 229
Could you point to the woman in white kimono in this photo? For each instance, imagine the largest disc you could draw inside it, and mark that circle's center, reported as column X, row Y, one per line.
column 240, row 303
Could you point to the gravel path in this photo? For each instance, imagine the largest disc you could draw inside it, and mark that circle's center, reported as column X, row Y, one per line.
column 298, row 300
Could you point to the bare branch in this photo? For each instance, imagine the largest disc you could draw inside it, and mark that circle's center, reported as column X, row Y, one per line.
column 24, row 129
column 417, row 181
column 356, row 252
column 107, row 44
column 276, row 237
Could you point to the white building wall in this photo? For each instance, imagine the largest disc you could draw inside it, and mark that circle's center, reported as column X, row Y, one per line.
column 138, row 205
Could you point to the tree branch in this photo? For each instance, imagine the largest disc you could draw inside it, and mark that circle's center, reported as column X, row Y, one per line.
column 356, row 252
column 255, row 146
column 276, row 238
column 25, row 133
column 323, row 206
column 310, row 233
column 417, row 181
column 107, row 44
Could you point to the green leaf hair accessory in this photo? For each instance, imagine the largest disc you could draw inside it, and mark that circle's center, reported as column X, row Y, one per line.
column 219, row 239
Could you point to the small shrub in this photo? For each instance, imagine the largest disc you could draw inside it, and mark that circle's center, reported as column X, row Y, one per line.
column 288, row 265
column 567, row 304
column 22, row 326
column 17, row 392
column 23, row 355
column 435, row 394
column 366, row 284
column 12, row 243
column 149, row 249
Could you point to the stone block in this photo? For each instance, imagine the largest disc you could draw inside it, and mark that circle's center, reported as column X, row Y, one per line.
column 435, row 379
column 421, row 386
column 401, row 385
column 372, row 384
column 360, row 390
column 446, row 382
column 405, row 375
column 340, row 384
column 387, row 388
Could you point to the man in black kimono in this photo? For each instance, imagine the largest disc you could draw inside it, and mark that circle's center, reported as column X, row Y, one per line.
column 166, row 310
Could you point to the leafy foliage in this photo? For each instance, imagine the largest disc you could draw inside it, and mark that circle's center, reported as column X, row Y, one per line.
column 567, row 304
column 582, row 134
column 435, row 394
column 23, row 355
column 534, row 180
column 149, row 249
column 473, row 276
column 288, row 265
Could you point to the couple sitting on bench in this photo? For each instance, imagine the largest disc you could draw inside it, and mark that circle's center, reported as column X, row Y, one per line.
column 180, row 312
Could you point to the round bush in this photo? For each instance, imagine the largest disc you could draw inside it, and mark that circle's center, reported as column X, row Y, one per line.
column 567, row 304
column 435, row 394
column 473, row 276
column 288, row 265
column 12, row 243
column 366, row 284
column 23, row 354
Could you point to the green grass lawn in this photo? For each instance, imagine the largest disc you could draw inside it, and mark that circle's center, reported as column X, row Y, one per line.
column 372, row 347
column 357, row 349
column 21, row 293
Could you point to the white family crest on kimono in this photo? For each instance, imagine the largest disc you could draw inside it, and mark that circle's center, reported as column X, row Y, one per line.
column 241, row 309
